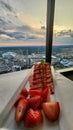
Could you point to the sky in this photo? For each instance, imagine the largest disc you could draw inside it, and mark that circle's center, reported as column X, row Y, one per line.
column 23, row 22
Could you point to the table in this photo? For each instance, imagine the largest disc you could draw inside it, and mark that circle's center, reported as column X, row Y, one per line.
column 63, row 94
column 10, row 86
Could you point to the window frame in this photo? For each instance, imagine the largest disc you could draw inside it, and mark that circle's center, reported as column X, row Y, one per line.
column 49, row 29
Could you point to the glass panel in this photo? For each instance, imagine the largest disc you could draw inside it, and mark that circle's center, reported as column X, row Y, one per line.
column 62, row 53
column 22, row 33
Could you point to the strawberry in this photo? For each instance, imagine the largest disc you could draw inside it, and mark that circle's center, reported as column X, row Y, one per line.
column 33, row 118
column 46, row 94
column 24, row 92
column 35, row 102
column 18, row 99
column 51, row 110
column 20, row 110
column 34, row 92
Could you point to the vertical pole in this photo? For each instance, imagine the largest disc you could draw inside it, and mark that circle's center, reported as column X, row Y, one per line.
column 49, row 31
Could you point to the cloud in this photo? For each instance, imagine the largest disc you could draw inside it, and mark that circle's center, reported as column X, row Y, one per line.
column 8, row 16
column 12, row 35
column 6, row 6
column 43, row 27
column 4, row 37
column 19, row 35
column 65, row 33
column 11, row 28
column 31, row 33
column 2, row 22
column 24, row 28
column 63, row 37
column 2, row 32
column 32, row 37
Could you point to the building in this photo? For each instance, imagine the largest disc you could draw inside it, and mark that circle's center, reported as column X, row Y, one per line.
column 9, row 55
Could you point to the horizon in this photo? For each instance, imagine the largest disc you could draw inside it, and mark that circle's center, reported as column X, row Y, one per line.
column 36, row 46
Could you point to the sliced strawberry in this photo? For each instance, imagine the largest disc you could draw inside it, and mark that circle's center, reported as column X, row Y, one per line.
column 24, row 92
column 34, row 102
column 51, row 110
column 18, row 99
column 20, row 110
column 34, row 92
column 46, row 94
column 33, row 118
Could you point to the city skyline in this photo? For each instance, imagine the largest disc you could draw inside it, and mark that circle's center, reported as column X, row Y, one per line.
column 23, row 23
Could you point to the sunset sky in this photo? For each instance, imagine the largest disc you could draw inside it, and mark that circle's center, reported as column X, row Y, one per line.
column 23, row 22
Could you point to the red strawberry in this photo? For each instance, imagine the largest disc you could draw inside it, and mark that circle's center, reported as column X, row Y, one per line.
column 24, row 92
column 51, row 110
column 35, row 102
column 20, row 110
column 46, row 94
column 33, row 118
column 34, row 92
column 18, row 99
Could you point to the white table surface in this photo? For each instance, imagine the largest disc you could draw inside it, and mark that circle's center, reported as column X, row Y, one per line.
column 63, row 94
column 10, row 86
